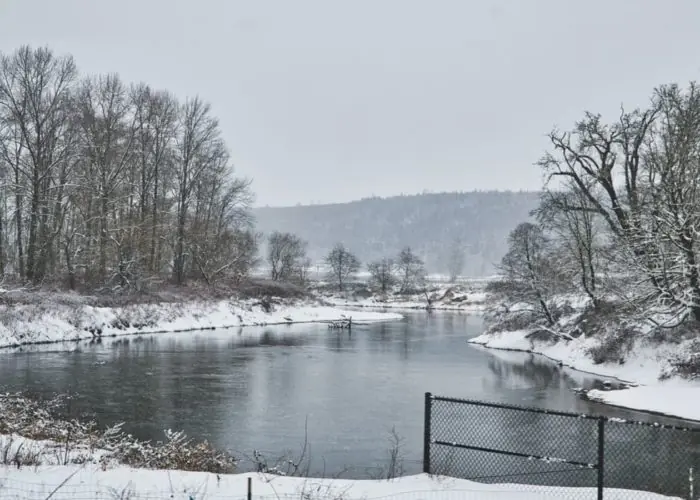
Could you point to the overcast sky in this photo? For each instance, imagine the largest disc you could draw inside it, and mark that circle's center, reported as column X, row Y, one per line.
column 331, row 100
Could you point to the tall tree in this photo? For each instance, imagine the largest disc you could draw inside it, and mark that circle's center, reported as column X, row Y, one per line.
column 103, row 184
column 199, row 148
column 35, row 92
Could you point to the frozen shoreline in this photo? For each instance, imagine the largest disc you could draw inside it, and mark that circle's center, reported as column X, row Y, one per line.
column 27, row 324
column 645, row 363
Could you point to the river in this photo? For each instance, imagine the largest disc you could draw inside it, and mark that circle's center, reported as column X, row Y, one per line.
column 272, row 389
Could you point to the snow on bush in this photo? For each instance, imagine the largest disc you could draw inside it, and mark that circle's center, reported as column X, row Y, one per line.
column 32, row 432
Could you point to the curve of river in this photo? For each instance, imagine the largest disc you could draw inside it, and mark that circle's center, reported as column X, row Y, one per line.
column 257, row 388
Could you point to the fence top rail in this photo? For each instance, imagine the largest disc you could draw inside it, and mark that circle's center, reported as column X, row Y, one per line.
column 615, row 420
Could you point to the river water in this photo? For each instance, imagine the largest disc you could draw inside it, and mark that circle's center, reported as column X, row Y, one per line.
column 273, row 389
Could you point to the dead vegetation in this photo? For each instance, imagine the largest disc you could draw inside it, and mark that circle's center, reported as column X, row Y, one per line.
column 34, row 431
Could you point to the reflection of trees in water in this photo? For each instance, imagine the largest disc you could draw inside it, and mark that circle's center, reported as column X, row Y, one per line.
column 535, row 372
column 269, row 338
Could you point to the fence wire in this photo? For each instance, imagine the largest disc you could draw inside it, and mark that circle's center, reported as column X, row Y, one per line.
column 615, row 458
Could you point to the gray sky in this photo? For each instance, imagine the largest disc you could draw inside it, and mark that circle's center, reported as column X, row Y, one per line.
column 332, row 100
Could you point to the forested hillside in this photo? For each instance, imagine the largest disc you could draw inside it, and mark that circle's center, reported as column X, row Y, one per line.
column 432, row 224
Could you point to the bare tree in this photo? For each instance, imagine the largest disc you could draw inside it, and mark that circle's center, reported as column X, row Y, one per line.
column 573, row 221
column 529, row 270
column 671, row 162
column 35, row 90
column 382, row 274
column 286, row 255
column 108, row 182
column 410, row 269
column 455, row 262
column 343, row 265
column 199, row 148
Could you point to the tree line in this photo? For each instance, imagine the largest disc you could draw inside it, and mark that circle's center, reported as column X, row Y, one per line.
column 108, row 184
column 619, row 217
column 288, row 262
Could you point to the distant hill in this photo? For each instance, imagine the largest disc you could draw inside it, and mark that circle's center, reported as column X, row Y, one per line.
column 377, row 227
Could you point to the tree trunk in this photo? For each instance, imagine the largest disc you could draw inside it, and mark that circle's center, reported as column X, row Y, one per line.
column 33, row 228
column 153, row 263
column 18, row 224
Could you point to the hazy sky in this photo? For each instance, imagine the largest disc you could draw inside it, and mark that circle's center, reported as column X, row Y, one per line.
column 335, row 100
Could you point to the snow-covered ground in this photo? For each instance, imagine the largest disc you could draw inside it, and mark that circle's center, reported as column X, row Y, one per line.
column 22, row 324
column 72, row 482
column 675, row 397
column 642, row 367
column 442, row 297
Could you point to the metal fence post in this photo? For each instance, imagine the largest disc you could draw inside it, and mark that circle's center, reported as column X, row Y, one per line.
column 250, row 488
column 426, row 432
column 601, row 457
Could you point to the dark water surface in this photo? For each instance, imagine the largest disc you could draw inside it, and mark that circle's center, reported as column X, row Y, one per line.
column 255, row 388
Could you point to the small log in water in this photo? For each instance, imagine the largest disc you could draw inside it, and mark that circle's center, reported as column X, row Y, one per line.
column 341, row 324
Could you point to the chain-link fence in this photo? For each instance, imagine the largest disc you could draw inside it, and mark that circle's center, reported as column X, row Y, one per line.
column 498, row 443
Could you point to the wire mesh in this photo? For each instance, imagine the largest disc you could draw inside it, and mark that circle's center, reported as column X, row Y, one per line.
column 494, row 443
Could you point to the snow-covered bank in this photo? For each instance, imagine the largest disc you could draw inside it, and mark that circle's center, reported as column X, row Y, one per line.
column 121, row 482
column 442, row 297
column 678, row 398
column 644, row 364
column 22, row 324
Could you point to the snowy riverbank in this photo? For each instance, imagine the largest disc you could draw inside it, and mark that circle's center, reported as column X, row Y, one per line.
column 121, row 482
column 22, row 324
column 440, row 297
column 643, row 368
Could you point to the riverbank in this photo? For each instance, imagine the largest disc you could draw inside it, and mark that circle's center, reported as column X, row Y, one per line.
column 645, row 361
column 121, row 482
column 48, row 321
column 443, row 297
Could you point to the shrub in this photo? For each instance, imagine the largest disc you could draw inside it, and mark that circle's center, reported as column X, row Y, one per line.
column 614, row 346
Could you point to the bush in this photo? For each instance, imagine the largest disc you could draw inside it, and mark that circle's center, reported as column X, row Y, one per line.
column 613, row 347
column 76, row 441
column 262, row 288
column 177, row 452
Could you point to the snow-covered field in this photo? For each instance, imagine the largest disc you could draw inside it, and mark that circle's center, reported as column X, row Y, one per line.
column 22, row 324
column 643, row 366
column 72, row 482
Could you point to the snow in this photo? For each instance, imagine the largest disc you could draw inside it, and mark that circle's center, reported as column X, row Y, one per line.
column 46, row 452
column 674, row 397
column 32, row 324
column 444, row 297
column 642, row 367
column 92, row 482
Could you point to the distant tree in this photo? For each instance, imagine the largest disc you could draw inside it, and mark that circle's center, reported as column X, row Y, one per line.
column 382, row 274
column 286, row 255
column 303, row 271
column 343, row 265
column 411, row 270
column 455, row 263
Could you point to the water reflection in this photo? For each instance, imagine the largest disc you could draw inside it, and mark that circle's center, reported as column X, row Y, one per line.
column 254, row 388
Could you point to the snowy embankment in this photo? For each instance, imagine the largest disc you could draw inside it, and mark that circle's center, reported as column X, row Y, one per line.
column 645, row 366
column 443, row 297
column 93, row 482
column 22, row 324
